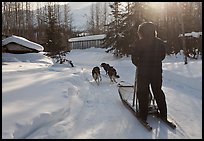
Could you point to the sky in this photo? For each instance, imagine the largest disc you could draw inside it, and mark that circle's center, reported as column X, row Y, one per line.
column 80, row 11
column 73, row 5
column 45, row 100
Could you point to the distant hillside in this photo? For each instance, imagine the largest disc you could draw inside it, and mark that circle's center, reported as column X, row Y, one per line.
column 80, row 17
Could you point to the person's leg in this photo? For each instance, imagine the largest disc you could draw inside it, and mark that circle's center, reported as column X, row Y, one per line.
column 156, row 84
column 143, row 96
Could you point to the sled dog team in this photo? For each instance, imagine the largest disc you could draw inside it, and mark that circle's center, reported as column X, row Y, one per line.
column 110, row 71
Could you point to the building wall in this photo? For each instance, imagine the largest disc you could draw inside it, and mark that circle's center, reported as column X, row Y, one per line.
column 86, row 44
column 16, row 48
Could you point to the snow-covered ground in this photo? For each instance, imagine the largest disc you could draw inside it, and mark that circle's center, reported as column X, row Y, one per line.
column 45, row 100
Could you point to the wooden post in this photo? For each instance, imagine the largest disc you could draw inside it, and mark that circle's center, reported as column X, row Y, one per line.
column 134, row 93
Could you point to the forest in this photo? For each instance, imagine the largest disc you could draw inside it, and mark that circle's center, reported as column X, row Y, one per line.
column 118, row 20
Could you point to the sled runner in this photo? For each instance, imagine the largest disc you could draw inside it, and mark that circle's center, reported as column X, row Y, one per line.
column 128, row 96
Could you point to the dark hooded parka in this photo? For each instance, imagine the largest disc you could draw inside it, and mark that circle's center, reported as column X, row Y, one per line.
column 147, row 56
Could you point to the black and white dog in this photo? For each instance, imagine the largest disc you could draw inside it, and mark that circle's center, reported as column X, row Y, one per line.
column 105, row 67
column 96, row 74
column 112, row 73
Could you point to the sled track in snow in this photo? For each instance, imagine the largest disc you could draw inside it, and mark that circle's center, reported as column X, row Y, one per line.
column 179, row 129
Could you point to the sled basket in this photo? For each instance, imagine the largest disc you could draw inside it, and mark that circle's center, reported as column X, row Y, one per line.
column 126, row 93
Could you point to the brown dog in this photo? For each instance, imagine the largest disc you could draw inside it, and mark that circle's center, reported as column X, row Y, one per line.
column 112, row 73
column 96, row 74
column 105, row 67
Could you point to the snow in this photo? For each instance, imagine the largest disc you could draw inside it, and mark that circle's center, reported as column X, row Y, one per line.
column 27, row 57
column 43, row 100
column 22, row 41
column 193, row 34
column 88, row 38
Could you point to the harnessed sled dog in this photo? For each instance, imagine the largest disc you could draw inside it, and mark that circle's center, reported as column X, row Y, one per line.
column 96, row 74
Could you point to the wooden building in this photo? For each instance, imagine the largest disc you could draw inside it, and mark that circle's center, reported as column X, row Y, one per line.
column 18, row 45
column 87, row 41
column 193, row 43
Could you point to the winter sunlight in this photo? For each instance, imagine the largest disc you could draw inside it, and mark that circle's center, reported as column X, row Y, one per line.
column 97, row 70
column 157, row 5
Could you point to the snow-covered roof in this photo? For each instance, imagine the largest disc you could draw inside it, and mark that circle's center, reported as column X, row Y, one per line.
column 193, row 34
column 88, row 38
column 22, row 41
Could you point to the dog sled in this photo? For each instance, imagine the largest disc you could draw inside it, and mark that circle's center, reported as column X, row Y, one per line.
column 128, row 96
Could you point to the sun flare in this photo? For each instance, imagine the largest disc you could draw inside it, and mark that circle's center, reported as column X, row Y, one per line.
column 157, row 5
